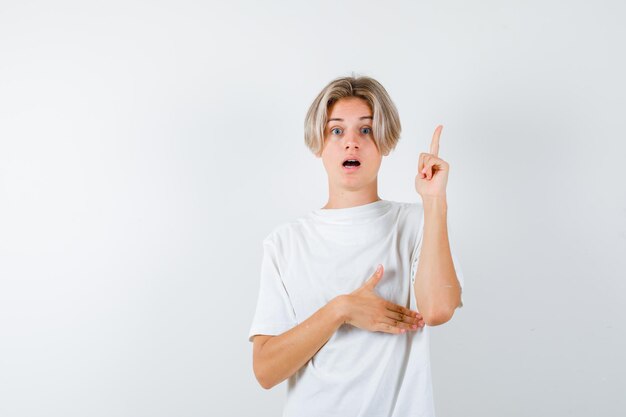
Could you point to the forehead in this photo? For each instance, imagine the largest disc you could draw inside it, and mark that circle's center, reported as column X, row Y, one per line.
column 349, row 108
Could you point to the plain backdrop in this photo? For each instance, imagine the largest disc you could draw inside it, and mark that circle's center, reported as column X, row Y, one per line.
column 147, row 148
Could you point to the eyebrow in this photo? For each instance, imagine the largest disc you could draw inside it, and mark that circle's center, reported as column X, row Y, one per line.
column 360, row 118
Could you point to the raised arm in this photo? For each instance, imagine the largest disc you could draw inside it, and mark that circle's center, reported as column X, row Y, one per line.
column 437, row 289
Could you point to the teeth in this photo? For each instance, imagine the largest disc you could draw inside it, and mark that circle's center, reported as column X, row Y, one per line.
column 351, row 163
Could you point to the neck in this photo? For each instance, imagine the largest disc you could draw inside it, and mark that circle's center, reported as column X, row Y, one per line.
column 342, row 198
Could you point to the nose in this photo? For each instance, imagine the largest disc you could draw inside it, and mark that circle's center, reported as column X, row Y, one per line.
column 352, row 142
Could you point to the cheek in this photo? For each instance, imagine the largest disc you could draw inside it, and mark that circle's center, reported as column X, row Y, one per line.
column 376, row 163
column 329, row 160
column 331, row 154
column 374, row 154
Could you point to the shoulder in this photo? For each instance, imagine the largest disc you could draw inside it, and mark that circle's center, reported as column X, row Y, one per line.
column 409, row 211
column 409, row 218
column 285, row 233
column 411, row 207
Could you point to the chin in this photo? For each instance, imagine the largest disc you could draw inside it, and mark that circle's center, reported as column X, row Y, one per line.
column 353, row 185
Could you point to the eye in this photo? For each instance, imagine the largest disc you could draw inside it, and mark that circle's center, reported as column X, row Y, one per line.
column 366, row 130
column 334, row 129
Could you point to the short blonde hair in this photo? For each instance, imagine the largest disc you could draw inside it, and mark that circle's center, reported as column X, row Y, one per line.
column 385, row 124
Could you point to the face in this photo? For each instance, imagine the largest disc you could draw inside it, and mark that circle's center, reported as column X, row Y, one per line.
column 349, row 135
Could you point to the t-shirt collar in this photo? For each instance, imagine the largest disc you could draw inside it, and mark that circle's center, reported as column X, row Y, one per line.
column 362, row 212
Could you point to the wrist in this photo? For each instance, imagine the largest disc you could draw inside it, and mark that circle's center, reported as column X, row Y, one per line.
column 339, row 308
column 435, row 202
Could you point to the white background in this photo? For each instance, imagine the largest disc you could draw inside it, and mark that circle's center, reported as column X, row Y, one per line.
column 147, row 147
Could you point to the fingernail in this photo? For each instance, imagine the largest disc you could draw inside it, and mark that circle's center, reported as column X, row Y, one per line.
column 402, row 330
column 378, row 267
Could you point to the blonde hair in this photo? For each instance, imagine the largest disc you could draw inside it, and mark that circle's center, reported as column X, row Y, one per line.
column 385, row 124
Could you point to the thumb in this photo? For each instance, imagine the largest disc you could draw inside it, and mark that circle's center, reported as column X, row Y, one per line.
column 378, row 274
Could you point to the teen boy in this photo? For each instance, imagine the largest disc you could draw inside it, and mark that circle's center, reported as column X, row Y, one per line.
column 353, row 343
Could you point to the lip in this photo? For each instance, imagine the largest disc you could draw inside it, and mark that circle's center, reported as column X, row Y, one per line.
column 351, row 157
column 350, row 169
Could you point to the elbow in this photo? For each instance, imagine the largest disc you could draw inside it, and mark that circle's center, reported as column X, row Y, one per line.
column 265, row 384
column 261, row 366
column 262, row 377
column 438, row 316
column 441, row 313
column 436, row 320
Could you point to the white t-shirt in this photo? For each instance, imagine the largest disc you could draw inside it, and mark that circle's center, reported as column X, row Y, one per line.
column 329, row 252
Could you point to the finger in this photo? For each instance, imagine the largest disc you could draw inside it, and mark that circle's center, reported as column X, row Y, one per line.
column 420, row 167
column 427, row 157
column 434, row 144
column 404, row 318
column 400, row 309
column 390, row 328
column 431, row 166
column 399, row 324
column 375, row 278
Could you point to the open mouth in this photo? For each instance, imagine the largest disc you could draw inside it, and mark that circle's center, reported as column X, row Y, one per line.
column 351, row 163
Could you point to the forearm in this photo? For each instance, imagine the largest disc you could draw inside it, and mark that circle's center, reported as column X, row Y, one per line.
column 437, row 289
column 281, row 356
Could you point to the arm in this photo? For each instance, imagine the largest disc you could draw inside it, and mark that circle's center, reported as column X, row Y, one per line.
column 276, row 358
column 437, row 289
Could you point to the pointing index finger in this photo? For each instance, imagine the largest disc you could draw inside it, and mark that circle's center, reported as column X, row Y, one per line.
column 434, row 145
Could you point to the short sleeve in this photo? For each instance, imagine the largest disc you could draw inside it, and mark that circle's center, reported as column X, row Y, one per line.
column 415, row 260
column 274, row 311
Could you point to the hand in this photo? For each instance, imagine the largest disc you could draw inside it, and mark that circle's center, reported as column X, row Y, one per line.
column 366, row 310
column 432, row 172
